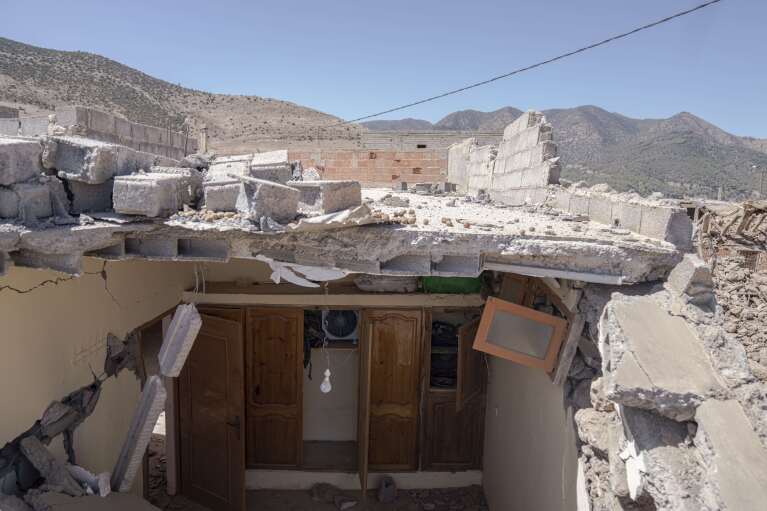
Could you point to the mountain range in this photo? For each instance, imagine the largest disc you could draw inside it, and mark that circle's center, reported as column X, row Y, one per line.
column 682, row 155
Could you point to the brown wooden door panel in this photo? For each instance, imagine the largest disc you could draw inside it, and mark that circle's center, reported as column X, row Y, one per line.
column 210, row 406
column 393, row 442
column 363, row 409
column 471, row 371
column 395, row 382
column 272, row 440
column 274, row 351
column 454, row 438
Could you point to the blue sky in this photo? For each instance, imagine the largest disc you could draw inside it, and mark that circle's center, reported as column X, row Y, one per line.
column 350, row 58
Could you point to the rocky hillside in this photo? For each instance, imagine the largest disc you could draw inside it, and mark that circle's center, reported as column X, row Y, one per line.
column 679, row 156
column 38, row 79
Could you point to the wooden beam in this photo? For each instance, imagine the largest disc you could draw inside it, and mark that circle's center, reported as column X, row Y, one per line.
column 337, row 300
column 534, row 271
column 567, row 353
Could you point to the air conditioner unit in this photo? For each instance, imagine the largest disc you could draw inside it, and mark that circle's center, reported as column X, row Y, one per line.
column 340, row 324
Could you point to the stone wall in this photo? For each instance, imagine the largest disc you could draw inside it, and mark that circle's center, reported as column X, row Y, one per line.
column 377, row 168
column 107, row 128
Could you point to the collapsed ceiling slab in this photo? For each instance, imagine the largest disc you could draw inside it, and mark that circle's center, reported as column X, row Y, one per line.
column 386, row 248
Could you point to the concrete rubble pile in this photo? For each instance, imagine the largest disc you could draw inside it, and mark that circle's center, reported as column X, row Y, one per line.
column 732, row 238
column 32, row 478
column 119, row 203
column 656, row 375
column 669, row 413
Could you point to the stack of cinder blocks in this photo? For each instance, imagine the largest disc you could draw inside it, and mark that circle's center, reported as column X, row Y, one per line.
column 160, row 192
column 89, row 167
column 526, row 158
column 24, row 193
column 527, row 155
column 255, row 185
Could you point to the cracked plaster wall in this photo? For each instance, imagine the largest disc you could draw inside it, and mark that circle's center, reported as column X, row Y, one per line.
column 52, row 335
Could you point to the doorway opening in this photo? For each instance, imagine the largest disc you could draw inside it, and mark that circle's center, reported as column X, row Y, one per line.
column 330, row 390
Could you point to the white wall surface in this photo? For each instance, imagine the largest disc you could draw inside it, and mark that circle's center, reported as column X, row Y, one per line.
column 530, row 458
column 332, row 416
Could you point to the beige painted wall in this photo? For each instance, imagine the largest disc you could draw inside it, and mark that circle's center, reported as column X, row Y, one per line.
column 53, row 335
column 530, row 459
column 332, row 416
column 245, row 270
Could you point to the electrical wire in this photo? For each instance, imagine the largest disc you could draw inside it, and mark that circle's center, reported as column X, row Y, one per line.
column 532, row 66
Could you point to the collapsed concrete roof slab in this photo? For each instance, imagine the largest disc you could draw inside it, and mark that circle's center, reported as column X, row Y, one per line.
column 517, row 237
column 735, row 459
column 656, row 362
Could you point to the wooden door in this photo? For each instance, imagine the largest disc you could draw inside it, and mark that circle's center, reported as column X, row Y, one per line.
column 453, row 439
column 363, row 410
column 274, row 371
column 471, row 373
column 454, row 422
column 395, row 378
column 212, row 439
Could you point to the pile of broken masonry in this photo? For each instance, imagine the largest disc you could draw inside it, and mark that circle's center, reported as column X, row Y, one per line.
column 33, row 479
column 669, row 414
column 65, row 197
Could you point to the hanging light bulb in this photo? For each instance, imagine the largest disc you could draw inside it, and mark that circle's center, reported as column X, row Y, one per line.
column 325, row 386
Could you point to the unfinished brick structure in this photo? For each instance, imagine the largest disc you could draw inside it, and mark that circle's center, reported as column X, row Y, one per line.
column 559, row 346
column 377, row 167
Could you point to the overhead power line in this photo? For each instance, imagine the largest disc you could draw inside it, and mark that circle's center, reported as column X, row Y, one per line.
column 532, row 66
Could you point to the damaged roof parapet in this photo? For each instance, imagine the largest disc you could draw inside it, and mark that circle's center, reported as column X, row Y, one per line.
column 524, row 170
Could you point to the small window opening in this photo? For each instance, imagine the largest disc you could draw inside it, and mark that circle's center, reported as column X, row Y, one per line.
column 417, row 170
column 420, row 146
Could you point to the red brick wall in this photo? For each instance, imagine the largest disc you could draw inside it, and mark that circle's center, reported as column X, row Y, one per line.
column 376, row 168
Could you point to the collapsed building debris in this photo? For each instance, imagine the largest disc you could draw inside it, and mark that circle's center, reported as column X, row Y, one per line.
column 150, row 406
column 55, row 474
column 182, row 332
column 25, row 461
column 652, row 371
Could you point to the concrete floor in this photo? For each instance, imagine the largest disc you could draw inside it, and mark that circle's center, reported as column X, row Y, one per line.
column 454, row 499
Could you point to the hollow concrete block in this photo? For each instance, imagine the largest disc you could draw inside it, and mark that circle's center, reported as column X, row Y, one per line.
column 152, row 195
column 88, row 198
column 64, row 263
column 259, row 198
column 327, row 196
column 152, row 403
column 179, row 339
column 20, row 160
column 221, row 195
